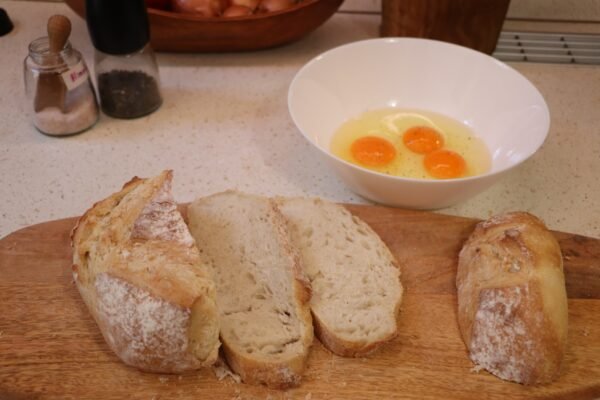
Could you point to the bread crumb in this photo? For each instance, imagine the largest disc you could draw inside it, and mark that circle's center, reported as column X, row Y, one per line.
column 308, row 396
column 236, row 392
column 1, row 333
column 586, row 333
column 163, row 379
column 343, row 384
column 222, row 371
column 476, row 368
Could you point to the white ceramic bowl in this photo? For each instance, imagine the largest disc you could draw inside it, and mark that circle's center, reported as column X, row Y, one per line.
column 499, row 105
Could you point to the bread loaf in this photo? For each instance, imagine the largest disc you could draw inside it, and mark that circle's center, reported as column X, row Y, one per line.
column 140, row 275
column 356, row 289
column 512, row 302
column 262, row 294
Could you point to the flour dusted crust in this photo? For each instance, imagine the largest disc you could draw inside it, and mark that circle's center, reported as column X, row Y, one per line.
column 139, row 272
column 142, row 328
column 512, row 303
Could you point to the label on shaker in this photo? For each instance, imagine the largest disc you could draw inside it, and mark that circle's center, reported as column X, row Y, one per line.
column 75, row 76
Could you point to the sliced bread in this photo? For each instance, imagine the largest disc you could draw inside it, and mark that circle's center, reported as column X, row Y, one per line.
column 262, row 294
column 356, row 289
column 139, row 273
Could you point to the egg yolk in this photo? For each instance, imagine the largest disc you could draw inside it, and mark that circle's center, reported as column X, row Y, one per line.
column 444, row 164
column 422, row 139
column 373, row 151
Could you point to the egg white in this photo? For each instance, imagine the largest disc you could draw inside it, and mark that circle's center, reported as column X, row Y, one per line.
column 391, row 123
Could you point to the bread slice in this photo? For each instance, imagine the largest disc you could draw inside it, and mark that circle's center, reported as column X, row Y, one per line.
column 354, row 277
column 262, row 294
column 140, row 274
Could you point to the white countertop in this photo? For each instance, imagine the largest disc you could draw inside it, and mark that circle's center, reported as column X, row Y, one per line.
column 224, row 124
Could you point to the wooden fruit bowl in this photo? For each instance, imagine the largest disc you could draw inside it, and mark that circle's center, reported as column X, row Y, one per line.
column 186, row 33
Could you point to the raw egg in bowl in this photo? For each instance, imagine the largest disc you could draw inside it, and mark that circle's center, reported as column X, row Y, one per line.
column 417, row 123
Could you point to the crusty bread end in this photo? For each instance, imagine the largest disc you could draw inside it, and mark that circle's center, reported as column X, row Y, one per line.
column 512, row 301
column 138, row 271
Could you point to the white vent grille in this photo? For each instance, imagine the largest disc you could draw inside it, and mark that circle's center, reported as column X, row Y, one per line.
column 548, row 48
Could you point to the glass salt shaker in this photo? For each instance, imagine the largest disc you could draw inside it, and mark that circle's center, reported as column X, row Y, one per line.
column 125, row 66
column 57, row 83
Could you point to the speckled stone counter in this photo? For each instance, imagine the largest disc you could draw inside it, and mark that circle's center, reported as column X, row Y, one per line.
column 224, row 124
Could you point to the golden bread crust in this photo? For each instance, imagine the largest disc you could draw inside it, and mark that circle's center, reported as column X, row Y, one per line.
column 139, row 272
column 512, row 303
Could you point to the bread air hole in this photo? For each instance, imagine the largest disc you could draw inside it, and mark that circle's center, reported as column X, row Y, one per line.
column 314, row 276
column 362, row 232
column 251, row 278
column 243, row 310
column 282, row 312
column 260, row 293
column 366, row 305
column 308, row 232
column 274, row 350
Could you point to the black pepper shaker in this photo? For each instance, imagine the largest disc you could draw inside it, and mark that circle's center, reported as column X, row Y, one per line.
column 125, row 66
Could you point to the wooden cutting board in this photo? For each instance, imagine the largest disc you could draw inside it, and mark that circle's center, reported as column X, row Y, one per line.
column 50, row 347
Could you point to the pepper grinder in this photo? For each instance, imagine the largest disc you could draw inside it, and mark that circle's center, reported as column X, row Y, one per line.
column 126, row 70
